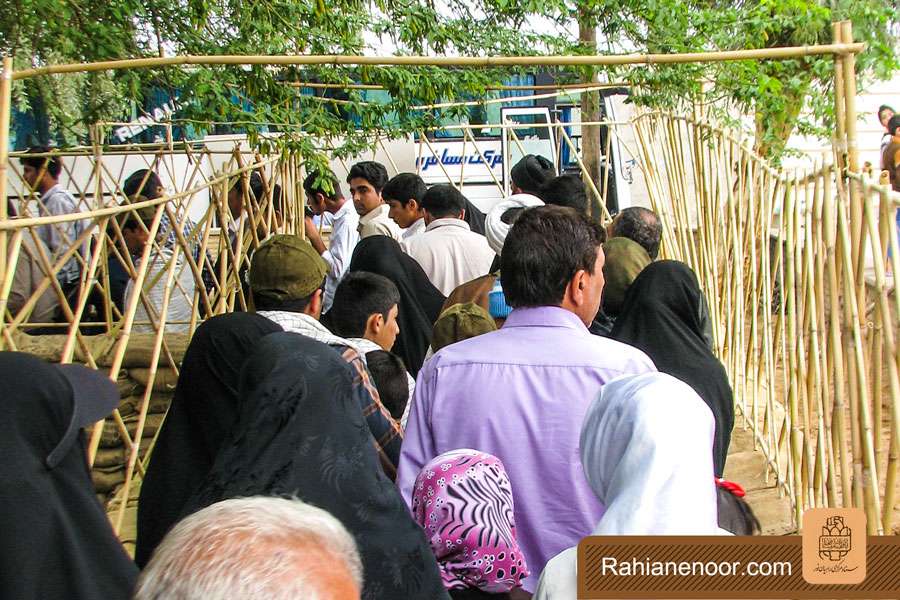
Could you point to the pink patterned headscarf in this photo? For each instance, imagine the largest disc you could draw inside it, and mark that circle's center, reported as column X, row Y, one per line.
column 464, row 502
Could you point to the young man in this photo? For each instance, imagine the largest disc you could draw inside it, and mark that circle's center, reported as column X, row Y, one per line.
column 287, row 277
column 326, row 197
column 135, row 236
column 365, row 313
column 521, row 393
column 146, row 183
column 41, row 173
column 449, row 252
column 403, row 195
column 367, row 179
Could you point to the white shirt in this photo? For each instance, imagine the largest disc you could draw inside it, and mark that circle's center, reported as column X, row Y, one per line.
column 59, row 237
column 450, row 253
column 416, row 229
column 340, row 249
column 377, row 222
column 181, row 298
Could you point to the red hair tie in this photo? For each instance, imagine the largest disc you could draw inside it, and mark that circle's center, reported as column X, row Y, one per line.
column 734, row 488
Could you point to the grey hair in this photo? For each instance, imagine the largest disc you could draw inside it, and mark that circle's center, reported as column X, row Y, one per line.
column 248, row 548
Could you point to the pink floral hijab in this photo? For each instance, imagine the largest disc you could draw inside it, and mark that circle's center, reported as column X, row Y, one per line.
column 464, row 502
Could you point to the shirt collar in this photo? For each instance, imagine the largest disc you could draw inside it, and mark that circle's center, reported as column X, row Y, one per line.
column 375, row 213
column 447, row 222
column 344, row 210
column 545, row 316
column 364, row 345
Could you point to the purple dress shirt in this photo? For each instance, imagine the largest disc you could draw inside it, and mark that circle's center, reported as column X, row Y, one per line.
column 521, row 393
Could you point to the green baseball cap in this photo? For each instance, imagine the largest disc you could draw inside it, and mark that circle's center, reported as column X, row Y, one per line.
column 461, row 322
column 286, row 267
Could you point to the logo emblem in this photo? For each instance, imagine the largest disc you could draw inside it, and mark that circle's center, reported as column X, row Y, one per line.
column 834, row 545
column 835, row 541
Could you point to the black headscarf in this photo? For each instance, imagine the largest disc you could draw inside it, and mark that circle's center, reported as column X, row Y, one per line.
column 420, row 302
column 474, row 217
column 57, row 541
column 203, row 411
column 661, row 316
column 300, row 433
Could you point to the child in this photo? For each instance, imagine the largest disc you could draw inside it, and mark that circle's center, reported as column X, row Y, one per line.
column 390, row 377
column 364, row 311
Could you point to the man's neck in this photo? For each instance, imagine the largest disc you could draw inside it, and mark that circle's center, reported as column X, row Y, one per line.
column 46, row 185
column 336, row 206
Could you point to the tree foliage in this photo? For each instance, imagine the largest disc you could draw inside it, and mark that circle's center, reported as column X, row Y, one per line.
column 783, row 95
column 41, row 32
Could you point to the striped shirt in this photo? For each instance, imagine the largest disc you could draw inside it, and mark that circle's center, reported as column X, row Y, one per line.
column 386, row 433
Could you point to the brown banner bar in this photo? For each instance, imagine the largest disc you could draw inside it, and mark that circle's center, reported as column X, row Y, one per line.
column 733, row 567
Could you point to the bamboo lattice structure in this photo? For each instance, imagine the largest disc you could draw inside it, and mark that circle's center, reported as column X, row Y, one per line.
column 796, row 266
column 806, row 317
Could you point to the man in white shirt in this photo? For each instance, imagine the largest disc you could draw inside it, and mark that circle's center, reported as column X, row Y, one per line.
column 449, row 252
column 367, row 179
column 404, row 194
column 41, row 173
column 344, row 225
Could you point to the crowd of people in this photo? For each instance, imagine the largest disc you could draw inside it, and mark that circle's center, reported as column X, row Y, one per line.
column 436, row 403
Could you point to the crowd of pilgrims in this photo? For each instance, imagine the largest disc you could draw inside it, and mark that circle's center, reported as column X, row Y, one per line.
column 437, row 403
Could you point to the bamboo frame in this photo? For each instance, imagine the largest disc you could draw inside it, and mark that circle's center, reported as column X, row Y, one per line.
column 816, row 350
column 449, row 61
column 804, row 376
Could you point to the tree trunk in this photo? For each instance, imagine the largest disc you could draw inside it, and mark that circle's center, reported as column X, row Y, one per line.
column 590, row 111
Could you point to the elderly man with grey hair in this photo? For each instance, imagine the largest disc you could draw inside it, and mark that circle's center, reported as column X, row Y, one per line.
column 255, row 548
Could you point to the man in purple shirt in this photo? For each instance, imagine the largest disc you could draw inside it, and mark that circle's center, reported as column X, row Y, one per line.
column 521, row 393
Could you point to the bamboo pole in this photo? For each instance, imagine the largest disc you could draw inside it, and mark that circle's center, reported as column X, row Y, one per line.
column 448, row 61
column 890, row 349
column 5, row 110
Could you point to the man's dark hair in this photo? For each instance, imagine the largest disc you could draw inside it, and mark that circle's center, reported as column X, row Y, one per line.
column 883, row 108
column 545, row 247
column 142, row 182
column 405, row 187
column 311, row 187
column 894, row 124
column 389, row 374
column 54, row 163
column 296, row 305
column 358, row 296
column 565, row 190
column 639, row 225
column 443, row 200
column 371, row 171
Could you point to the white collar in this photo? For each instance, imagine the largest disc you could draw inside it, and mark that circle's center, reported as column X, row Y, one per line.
column 447, row 222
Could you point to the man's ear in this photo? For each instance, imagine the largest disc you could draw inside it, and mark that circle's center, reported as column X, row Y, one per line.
column 576, row 287
column 462, row 214
column 314, row 308
column 374, row 323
